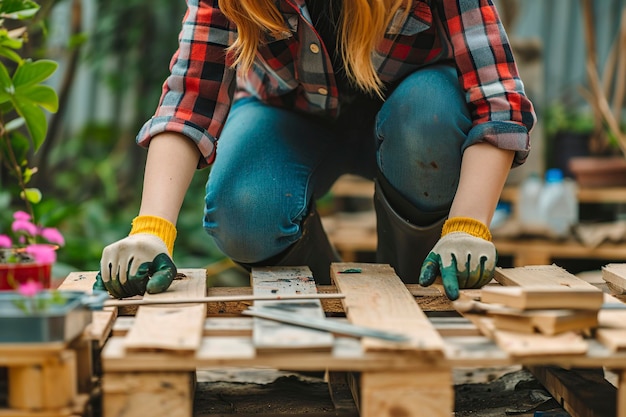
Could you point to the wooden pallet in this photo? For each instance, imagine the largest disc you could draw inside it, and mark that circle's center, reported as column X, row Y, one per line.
column 151, row 358
column 47, row 379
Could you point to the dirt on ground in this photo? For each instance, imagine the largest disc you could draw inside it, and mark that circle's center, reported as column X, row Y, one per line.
column 485, row 392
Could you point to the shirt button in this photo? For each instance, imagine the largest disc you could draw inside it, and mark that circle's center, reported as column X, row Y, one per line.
column 322, row 91
column 314, row 48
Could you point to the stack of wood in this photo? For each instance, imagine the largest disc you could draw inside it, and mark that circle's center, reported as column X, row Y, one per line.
column 548, row 311
column 538, row 310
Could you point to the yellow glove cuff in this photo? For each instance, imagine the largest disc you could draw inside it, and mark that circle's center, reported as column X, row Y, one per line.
column 157, row 226
column 468, row 225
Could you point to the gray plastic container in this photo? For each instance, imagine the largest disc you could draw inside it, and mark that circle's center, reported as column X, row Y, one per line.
column 58, row 323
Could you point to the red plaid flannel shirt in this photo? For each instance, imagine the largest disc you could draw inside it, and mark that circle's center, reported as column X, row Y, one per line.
column 198, row 94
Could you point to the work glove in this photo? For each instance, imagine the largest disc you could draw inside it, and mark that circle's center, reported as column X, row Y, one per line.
column 464, row 257
column 140, row 262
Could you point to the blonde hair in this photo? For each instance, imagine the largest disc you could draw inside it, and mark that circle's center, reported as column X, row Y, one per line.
column 362, row 27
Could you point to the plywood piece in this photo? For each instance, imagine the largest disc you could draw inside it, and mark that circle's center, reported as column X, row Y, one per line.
column 411, row 394
column 172, row 327
column 544, row 297
column 377, row 298
column 270, row 335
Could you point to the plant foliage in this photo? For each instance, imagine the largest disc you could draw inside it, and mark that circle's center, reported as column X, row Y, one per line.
column 23, row 97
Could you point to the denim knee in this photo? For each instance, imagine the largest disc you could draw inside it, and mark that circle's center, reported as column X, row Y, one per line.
column 422, row 132
column 247, row 226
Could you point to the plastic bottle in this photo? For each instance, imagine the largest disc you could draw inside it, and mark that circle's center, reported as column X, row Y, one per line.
column 558, row 203
column 528, row 204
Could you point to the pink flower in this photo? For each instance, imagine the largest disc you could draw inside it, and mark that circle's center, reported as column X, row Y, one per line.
column 21, row 215
column 5, row 241
column 21, row 225
column 52, row 235
column 43, row 253
column 30, row 288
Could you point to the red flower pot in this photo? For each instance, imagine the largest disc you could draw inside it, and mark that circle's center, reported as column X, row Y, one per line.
column 13, row 274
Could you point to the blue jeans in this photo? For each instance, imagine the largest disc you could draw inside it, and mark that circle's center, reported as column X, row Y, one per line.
column 271, row 162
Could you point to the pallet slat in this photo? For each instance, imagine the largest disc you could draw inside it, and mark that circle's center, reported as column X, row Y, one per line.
column 274, row 336
column 375, row 297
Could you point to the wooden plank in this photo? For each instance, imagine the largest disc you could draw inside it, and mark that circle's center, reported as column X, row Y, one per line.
column 340, row 390
column 154, row 394
column 548, row 322
column 173, row 327
column 47, row 385
column 101, row 325
column 524, row 345
column 544, row 297
column 270, row 335
column 377, row 298
column 411, row 394
column 582, row 393
column 79, row 281
column 542, row 276
column 611, row 330
column 615, row 277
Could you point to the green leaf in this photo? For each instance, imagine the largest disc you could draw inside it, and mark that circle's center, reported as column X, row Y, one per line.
column 18, row 9
column 8, row 53
column 32, row 195
column 5, row 80
column 11, row 39
column 33, row 72
column 42, row 95
column 35, row 121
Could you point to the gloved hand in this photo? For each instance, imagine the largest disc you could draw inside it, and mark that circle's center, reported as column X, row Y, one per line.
column 464, row 257
column 140, row 262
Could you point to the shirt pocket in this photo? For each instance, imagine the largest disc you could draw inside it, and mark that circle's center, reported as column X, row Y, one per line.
column 419, row 19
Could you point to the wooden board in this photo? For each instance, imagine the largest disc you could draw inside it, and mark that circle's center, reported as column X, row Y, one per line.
column 542, row 276
column 582, row 393
column 171, row 327
column 524, row 345
column 611, row 330
column 544, row 297
column 270, row 335
column 615, row 277
column 377, row 298
column 79, row 281
column 548, row 322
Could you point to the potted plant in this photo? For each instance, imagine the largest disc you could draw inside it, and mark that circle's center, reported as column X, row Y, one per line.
column 26, row 248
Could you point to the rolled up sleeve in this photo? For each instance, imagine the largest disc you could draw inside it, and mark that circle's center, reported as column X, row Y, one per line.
column 501, row 112
column 197, row 95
